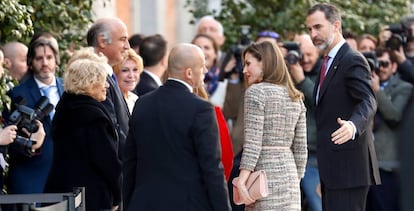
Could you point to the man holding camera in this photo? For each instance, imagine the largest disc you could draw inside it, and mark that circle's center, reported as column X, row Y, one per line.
column 392, row 96
column 304, row 73
column 29, row 174
column 399, row 38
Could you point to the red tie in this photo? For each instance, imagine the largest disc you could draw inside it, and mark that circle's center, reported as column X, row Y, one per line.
column 323, row 70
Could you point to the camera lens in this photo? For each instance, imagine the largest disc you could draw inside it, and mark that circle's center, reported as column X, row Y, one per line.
column 394, row 42
column 292, row 57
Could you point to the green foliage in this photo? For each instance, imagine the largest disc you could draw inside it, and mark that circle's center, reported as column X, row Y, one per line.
column 288, row 17
column 15, row 21
column 67, row 20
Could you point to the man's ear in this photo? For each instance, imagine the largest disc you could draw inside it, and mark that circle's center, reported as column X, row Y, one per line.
column 102, row 41
column 7, row 63
column 188, row 74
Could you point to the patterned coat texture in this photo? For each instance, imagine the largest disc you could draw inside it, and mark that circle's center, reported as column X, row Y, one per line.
column 275, row 141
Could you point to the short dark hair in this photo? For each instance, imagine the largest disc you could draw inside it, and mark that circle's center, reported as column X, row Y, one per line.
column 331, row 12
column 152, row 49
column 380, row 51
column 135, row 40
column 38, row 43
column 349, row 35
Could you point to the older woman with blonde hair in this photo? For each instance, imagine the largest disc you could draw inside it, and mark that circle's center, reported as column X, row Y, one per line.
column 127, row 73
column 83, row 125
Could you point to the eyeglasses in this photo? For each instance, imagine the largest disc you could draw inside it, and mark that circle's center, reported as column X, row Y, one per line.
column 270, row 34
column 384, row 64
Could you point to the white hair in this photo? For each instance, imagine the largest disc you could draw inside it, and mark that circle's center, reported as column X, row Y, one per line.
column 210, row 17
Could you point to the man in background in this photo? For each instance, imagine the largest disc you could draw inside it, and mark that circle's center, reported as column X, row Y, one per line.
column 109, row 36
column 15, row 57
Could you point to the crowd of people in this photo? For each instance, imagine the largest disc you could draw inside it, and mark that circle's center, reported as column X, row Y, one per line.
column 142, row 127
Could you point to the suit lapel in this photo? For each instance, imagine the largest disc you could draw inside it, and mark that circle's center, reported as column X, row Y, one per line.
column 335, row 66
column 33, row 89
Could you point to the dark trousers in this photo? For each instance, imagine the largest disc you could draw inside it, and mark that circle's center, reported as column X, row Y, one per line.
column 234, row 173
column 344, row 199
column 384, row 197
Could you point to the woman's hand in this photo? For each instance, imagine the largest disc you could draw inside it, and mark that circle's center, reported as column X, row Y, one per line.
column 242, row 189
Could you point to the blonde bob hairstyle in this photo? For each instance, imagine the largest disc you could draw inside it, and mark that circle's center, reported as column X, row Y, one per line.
column 130, row 54
column 85, row 70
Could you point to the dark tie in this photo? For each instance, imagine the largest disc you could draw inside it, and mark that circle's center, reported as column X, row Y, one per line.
column 323, row 70
column 114, row 78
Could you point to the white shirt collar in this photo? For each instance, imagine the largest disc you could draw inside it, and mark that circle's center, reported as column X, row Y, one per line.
column 155, row 77
column 109, row 69
column 183, row 82
column 332, row 53
column 41, row 84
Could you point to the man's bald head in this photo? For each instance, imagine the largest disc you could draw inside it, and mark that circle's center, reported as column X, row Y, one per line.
column 186, row 62
column 15, row 57
column 105, row 27
column 310, row 53
column 12, row 48
column 110, row 37
column 212, row 27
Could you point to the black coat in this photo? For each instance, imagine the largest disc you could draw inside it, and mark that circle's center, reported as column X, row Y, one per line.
column 85, row 147
column 118, row 112
column 146, row 84
column 173, row 157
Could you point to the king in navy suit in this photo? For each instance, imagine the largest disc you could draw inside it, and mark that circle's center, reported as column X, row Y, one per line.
column 345, row 107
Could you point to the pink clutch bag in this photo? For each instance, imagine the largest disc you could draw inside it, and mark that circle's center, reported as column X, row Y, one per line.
column 256, row 186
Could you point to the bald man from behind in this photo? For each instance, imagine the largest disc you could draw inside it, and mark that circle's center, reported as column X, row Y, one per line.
column 173, row 146
column 15, row 59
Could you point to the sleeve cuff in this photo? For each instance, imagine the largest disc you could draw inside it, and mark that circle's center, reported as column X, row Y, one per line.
column 353, row 135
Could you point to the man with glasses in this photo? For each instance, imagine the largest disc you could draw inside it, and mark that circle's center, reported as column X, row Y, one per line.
column 392, row 95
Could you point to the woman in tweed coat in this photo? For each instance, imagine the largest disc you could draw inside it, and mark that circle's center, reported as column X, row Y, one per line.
column 275, row 129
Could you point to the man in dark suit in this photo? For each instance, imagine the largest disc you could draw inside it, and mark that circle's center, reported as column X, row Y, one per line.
column 153, row 50
column 29, row 174
column 345, row 107
column 173, row 153
column 109, row 36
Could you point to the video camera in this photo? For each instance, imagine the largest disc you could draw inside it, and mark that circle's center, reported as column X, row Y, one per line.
column 237, row 51
column 401, row 33
column 372, row 60
column 24, row 118
column 294, row 54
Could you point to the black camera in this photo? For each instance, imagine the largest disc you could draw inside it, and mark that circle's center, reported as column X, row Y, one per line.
column 372, row 60
column 294, row 55
column 398, row 37
column 24, row 118
column 236, row 51
column 401, row 33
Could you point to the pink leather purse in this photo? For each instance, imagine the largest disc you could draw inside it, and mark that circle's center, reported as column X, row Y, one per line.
column 257, row 187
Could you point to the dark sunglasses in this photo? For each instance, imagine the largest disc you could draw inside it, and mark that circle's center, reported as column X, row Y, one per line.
column 270, row 34
column 383, row 63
